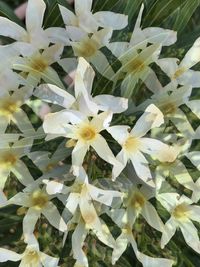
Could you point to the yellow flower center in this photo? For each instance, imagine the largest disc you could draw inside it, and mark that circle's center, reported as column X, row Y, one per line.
column 132, row 144
column 169, row 108
column 39, row 199
column 178, row 73
column 38, row 64
column 86, row 48
column 137, row 200
column 127, row 230
column 89, row 217
column 70, row 143
column 135, row 65
column 8, row 106
column 7, row 160
column 87, row 133
column 50, row 167
column 181, row 212
column 31, row 257
column 77, row 187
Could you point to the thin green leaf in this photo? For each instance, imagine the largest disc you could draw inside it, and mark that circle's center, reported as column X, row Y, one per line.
column 185, row 13
column 7, row 12
column 160, row 10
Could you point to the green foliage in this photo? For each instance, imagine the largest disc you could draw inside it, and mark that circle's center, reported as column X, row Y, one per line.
column 8, row 12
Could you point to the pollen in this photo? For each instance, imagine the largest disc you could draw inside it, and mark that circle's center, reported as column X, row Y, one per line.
column 8, row 160
column 181, row 212
column 39, row 199
column 132, row 144
column 169, row 108
column 87, row 133
column 135, row 66
column 178, row 73
column 50, row 167
column 8, row 107
column 38, row 64
column 31, row 257
column 89, row 217
column 137, row 200
column 86, row 48
column 70, row 143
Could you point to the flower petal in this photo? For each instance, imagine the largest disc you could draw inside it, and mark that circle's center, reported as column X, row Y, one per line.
column 190, row 234
column 53, row 216
column 111, row 103
column 101, row 147
column 8, row 255
column 168, row 232
column 113, row 20
column 140, row 165
column 29, row 222
column 34, row 15
column 151, row 216
column 192, row 57
column 11, row 29
column 78, row 238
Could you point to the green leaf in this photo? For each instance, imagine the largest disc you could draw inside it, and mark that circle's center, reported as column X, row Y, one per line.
column 7, row 12
column 160, row 10
column 184, row 15
column 53, row 17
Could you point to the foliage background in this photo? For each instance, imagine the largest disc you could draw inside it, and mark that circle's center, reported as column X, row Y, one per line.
column 180, row 15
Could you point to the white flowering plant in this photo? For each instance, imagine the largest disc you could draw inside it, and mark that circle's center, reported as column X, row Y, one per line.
column 99, row 134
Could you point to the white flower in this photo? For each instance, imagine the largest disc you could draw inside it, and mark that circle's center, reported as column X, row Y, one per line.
column 9, row 81
column 136, row 202
column 181, row 73
column 134, row 144
column 176, row 170
column 152, row 35
column 34, row 37
column 135, row 65
column 32, row 256
column 83, row 94
column 83, row 133
column 121, row 218
column 88, row 46
column 10, row 159
column 38, row 202
column 10, row 110
column 89, row 22
column 81, row 196
column 169, row 100
column 182, row 214
column 37, row 66
column 51, row 164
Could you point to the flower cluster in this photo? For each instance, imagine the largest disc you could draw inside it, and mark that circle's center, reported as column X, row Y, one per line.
column 116, row 151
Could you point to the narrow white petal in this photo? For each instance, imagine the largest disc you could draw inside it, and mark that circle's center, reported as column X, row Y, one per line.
column 79, row 4
column 11, row 29
column 79, row 153
column 8, row 255
column 151, row 216
column 110, row 19
column 190, row 234
column 48, row 261
column 168, row 232
column 192, row 57
column 34, row 15
column 140, row 165
column 54, row 218
column 101, row 147
column 78, row 238
column 29, row 222
column 112, row 103
column 119, row 248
